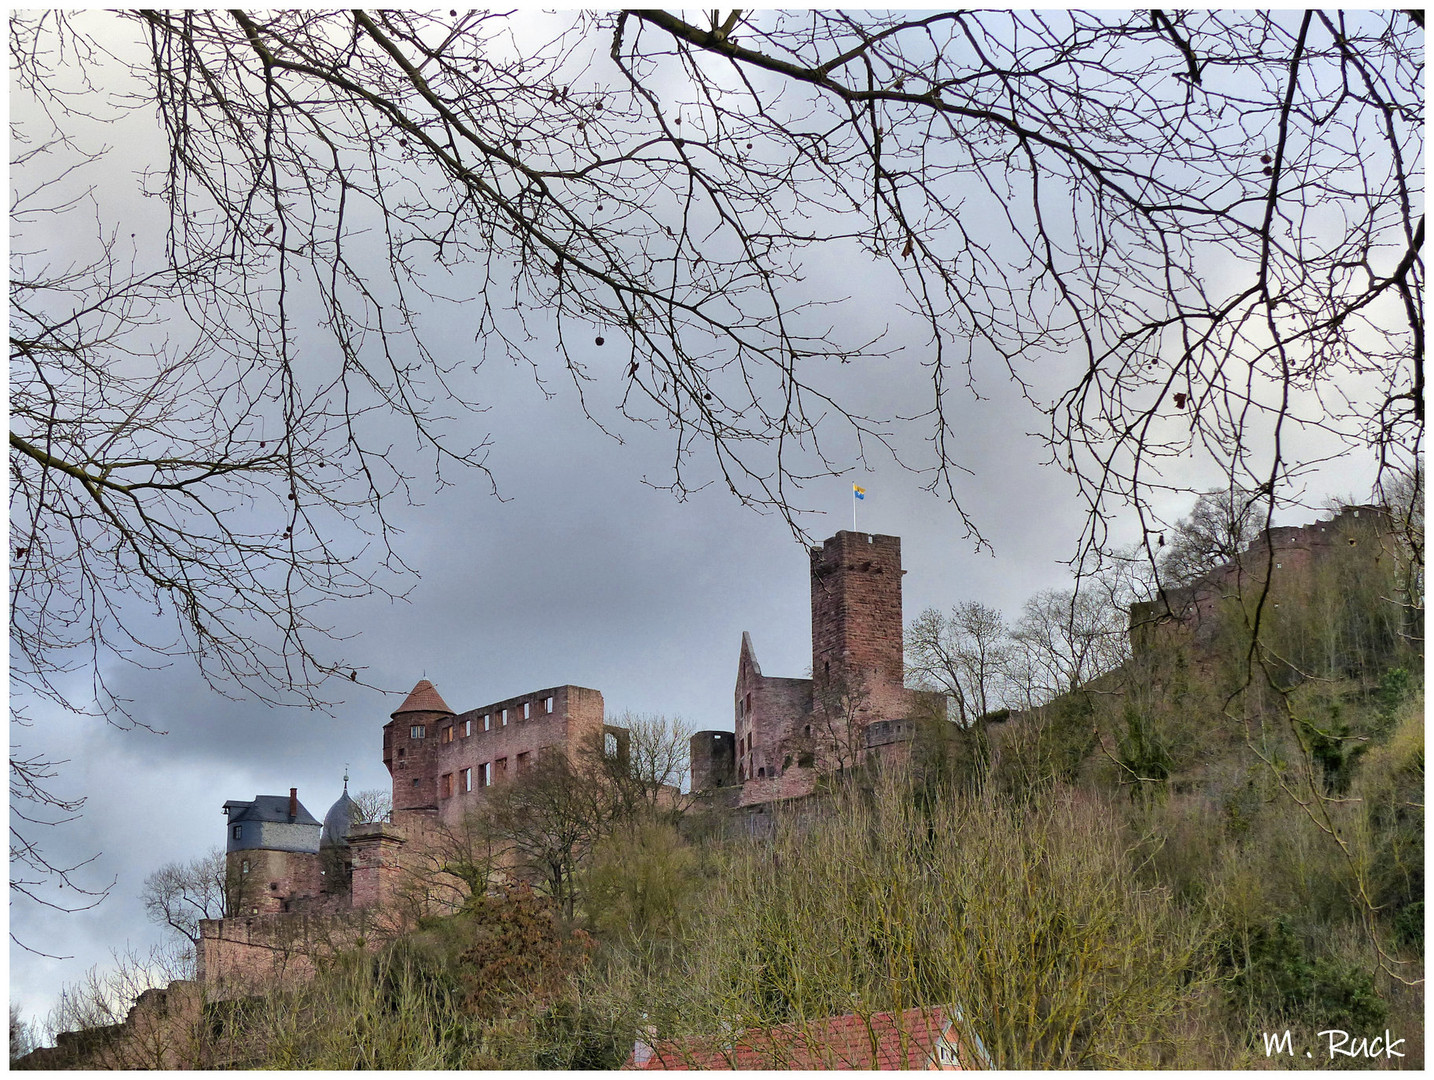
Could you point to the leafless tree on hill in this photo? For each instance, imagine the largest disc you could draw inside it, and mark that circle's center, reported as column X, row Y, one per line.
column 964, row 655
column 179, row 895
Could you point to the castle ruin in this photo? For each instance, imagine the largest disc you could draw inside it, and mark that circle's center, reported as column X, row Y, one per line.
column 299, row 881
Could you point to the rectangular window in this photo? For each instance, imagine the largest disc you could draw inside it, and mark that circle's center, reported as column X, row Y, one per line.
column 448, row 734
column 417, row 781
column 416, row 732
column 547, row 704
column 244, row 867
column 487, row 721
column 527, row 709
column 468, row 727
column 465, row 779
column 500, row 768
column 524, row 760
column 445, row 786
column 505, row 718
column 238, row 832
column 485, row 774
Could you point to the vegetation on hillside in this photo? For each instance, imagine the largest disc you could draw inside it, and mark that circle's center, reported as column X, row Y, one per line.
column 1214, row 841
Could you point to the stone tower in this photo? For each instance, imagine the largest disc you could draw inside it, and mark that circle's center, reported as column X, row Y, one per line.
column 272, row 853
column 856, row 621
column 410, row 750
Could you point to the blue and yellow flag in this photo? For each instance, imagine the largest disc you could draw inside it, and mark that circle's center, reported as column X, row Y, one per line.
column 858, row 492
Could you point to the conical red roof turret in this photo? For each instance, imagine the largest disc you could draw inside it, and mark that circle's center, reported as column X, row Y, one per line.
column 423, row 698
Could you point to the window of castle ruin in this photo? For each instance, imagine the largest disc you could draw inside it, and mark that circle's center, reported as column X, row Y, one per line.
column 244, row 867
column 468, row 727
column 487, row 721
column 485, row 774
column 448, row 733
column 416, row 732
column 505, row 718
column 465, row 779
column 527, row 709
column 500, row 767
column 547, row 704
column 524, row 760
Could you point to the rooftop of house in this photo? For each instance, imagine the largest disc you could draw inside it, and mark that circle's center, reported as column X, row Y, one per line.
column 913, row 1039
column 267, row 808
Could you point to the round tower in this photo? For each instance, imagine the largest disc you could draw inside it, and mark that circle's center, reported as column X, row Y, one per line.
column 334, row 856
column 410, row 750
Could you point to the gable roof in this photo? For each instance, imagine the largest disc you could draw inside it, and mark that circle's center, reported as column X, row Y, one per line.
column 912, row 1039
column 748, row 654
column 267, row 808
column 422, row 698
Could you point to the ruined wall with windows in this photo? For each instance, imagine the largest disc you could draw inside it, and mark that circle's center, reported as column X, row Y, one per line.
column 441, row 762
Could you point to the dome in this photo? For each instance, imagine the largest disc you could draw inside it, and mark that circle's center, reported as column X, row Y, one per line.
column 339, row 820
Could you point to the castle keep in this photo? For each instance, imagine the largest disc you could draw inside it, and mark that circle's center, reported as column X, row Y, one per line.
column 788, row 731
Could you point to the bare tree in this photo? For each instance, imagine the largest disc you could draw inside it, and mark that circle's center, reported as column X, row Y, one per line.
column 1065, row 638
column 546, row 825
column 647, row 775
column 23, row 1036
column 1221, row 526
column 179, row 895
column 838, row 726
column 373, row 804
column 962, row 655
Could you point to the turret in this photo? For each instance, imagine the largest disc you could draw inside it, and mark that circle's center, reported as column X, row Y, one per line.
column 410, row 750
column 272, row 852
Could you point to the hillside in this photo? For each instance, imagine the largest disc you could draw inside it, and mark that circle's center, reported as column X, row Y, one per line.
column 1216, row 841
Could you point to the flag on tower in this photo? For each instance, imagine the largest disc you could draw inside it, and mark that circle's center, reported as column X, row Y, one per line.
column 859, row 492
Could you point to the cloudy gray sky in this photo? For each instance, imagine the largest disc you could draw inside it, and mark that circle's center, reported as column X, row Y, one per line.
column 580, row 573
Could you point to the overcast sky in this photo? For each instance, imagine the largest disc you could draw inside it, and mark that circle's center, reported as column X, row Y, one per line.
column 581, row 574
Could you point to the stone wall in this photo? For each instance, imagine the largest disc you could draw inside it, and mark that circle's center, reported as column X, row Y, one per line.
column 1193, row 613
column 494, row 743
column 245, row 955
column 856, row 616
column 270, row 881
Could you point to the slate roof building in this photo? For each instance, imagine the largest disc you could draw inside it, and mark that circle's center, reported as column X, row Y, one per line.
column 272, row 823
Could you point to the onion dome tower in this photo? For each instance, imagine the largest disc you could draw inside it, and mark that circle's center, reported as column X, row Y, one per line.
column 339, row 820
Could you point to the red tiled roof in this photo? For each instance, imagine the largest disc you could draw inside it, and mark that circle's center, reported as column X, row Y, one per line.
column 887, row 1041
column 423, row 698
